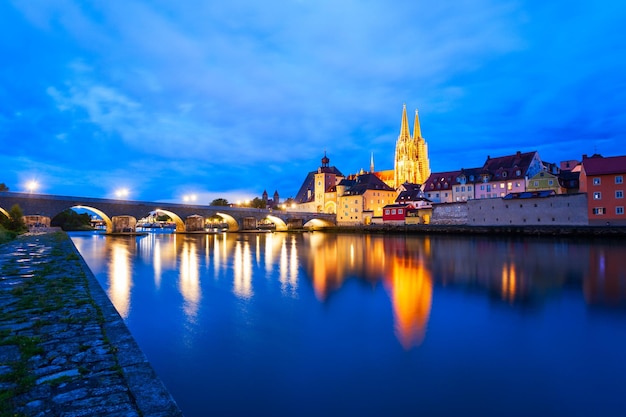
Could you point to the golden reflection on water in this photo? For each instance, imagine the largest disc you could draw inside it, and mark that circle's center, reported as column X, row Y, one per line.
column 189, row 279
column 242, row 268
column 411, row 288
column 120, row 277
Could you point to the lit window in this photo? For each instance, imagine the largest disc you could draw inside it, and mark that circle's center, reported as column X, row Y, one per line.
column 502, row 185
column 619, row 210
column 599, row 211
column 619, row 179
column 509, row 186
column 596, row 181
column 619, row 194
column 597, row 195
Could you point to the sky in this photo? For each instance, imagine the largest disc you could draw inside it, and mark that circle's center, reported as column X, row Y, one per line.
column 227, row 99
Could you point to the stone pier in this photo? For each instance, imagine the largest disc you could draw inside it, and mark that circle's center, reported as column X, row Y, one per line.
column 64, row 349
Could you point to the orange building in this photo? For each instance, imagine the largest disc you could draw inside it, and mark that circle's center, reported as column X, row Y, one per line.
column 602, row 179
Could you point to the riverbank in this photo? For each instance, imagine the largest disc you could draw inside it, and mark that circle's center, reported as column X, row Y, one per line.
column 582, row 231
column 64, row 349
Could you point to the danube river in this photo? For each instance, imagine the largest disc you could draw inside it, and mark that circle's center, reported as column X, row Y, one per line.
column 316, row 324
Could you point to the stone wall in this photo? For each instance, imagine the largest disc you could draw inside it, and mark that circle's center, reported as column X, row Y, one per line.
column 449, row 214
column 561, row 209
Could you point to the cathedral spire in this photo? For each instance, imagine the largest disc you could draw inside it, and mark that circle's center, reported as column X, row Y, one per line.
column 404, row 129
column 417, row 131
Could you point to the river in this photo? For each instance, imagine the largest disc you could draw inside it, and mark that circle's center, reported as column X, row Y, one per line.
column 315, row 324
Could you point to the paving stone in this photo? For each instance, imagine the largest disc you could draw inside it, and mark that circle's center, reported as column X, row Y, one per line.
column 78, row 371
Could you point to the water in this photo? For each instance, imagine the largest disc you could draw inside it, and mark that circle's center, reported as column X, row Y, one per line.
column 334, row 325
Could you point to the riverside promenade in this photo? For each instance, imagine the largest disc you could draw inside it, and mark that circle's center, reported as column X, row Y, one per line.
column 64, row 349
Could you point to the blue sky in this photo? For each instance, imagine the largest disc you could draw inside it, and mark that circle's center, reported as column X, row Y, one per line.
column 226, row 99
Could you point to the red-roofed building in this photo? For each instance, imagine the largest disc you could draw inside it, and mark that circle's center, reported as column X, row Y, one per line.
column 603, row 181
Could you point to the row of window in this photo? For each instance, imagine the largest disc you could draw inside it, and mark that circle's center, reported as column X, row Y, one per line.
column 619, row 179
column 393, row 211
column 598, row 211
column 598, row 195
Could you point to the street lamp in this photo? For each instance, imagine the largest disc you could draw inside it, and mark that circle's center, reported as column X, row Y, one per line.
column 122, row 193
column 32, row 186
column 190, row 197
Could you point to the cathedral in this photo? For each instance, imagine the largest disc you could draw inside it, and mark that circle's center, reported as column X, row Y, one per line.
column 411, row 164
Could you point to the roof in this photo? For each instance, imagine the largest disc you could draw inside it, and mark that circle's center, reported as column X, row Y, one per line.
column 510, row 166
column 441, row 181
column 365, row 182
column 529, row 194
column 409, row 192
column 598, row 165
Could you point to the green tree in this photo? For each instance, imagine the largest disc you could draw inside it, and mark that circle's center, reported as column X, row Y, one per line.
column 258, row 203
column 163, row 218
column 3, row 187
column 70, row 220
column 219, row 202
column 15, row 221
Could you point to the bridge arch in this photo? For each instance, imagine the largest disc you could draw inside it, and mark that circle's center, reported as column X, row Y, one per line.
column 3, row 211
column 318, row 224
column 180, row 224
column 281, row 226
column 233, row 225
column 107, row 219
column 330, row 207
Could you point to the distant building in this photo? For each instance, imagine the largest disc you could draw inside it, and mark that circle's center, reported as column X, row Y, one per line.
column 602, row 179
column 438, row 187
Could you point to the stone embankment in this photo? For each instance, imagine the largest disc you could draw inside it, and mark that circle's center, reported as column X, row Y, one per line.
column 64, row 349
column 563, row 231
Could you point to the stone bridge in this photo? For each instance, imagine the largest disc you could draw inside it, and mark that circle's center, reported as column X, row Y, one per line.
column 237, row 218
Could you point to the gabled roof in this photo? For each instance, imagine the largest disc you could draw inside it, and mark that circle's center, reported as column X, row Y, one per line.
column 510, row 166
column 409, row 192
column 472, row 175
column 598, row 165
column 441, row 181
column 365, row 182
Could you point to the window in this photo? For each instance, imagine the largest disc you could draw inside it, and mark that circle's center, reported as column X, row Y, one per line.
column 619, row 194
column 509, row 186
column 596, row 181
column 536, row 183
column 399, row 211
column 458, row 188
column 598, row 211
column 393, row 211
column 619, row 179
column 597, row 195
column 550, row 183
column 502, row 185
column 387, row 211
column 619, row 210
column 469, row 188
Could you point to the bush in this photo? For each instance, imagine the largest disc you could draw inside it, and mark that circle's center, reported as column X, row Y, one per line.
column 70, row 220
column 15, row 221
column 6, row 235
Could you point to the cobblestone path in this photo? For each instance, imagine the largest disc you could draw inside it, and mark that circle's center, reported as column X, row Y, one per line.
column 64, row 350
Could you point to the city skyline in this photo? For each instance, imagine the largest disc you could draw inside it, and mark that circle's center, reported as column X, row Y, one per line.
column 228, row 100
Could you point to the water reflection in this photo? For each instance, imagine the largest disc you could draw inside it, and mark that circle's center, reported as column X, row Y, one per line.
column 120, row 275
column 189, row 281
column 511, row 271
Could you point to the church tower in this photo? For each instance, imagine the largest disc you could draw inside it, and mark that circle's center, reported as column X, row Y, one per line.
column 411, row 162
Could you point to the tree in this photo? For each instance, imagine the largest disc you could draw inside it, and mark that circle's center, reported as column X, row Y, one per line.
column 258, row 203
column 70, row 220
column 15, row 221
column 3, row 187
column 219, row 202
